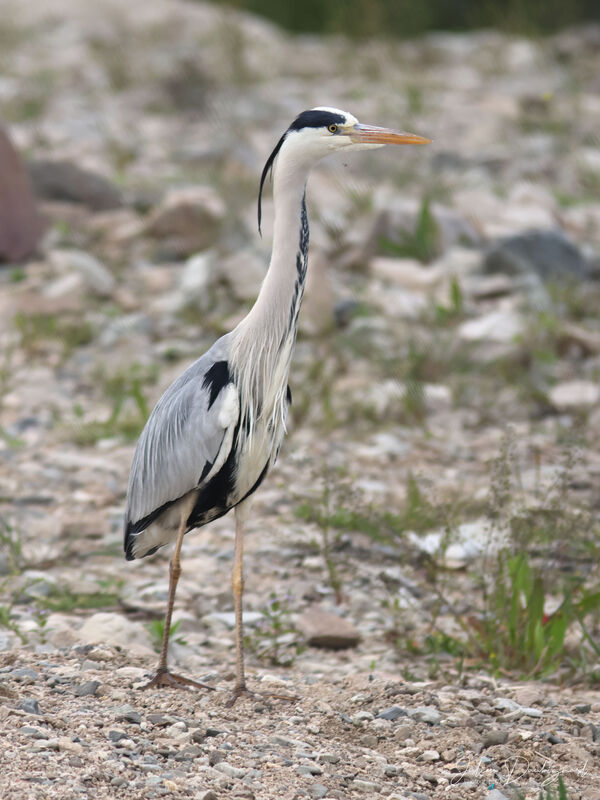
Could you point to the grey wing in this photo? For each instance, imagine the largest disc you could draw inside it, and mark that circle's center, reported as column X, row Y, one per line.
column 186, row 440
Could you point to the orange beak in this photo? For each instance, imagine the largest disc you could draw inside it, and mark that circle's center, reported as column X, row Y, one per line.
column 371, row 134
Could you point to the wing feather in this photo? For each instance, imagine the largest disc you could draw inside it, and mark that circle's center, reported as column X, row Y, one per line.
column 186, row 440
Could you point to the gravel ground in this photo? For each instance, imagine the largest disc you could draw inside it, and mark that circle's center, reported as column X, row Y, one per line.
column 453, row 296
column 75, row 725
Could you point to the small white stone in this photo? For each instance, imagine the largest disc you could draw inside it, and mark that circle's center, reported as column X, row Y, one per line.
column 498, row 326
column 430, row 755
column 574, row 395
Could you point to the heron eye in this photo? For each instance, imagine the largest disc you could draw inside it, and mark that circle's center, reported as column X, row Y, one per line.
column 332, row 128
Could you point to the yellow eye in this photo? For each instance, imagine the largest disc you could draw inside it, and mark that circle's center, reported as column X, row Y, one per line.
column 332, row 128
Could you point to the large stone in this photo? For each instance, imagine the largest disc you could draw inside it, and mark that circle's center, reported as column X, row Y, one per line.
column 321, row 628
column 500, row 326
column 93, row 274
column 574, row 395
column 244, row 271
column 21, row 225
column 187, row 220
column 114, row 629
column 67, row 181
column 545, row 253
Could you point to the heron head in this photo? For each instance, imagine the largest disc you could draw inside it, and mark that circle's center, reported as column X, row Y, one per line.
column 323, row 130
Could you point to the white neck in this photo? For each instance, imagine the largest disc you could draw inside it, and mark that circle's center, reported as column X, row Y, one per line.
column 262, row 344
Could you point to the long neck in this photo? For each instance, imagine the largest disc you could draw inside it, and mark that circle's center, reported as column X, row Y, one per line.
column 264, row 340
column 278, row 304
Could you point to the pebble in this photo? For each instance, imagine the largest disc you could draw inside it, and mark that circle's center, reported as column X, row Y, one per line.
column 328, row 758
column 392, row 713
column 494, row 737
column 429, row 755
column 87, row 688
column 24, row 675
column 365, row 786
column 30, row 705
column 66, row 745
column 128, row 714
column 321, row 628
column 309, row 769
column 229, row 770
column 426, row 714
column 574, row 395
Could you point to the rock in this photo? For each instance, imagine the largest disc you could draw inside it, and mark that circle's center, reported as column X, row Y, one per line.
column 244, row 271
column 309, row 769
column 392, row 713
column 66, row 745
column 109, row 628
column 195, row 287
column 226, row 619
column 320, row 628
column 494, row 737
column 21, row 225
column 86, row 689
column 65, row 180
column 429, row 755
column 578, row 395
column 501, row 326
column 95, row 276
column 229, row 770
column 495, row 794
column 24, row 675
column 546, row 253
column 405, row 272
column 30, row 705
column 427, row 714
column 365, row 786
column 128, row 714
column 187, row 220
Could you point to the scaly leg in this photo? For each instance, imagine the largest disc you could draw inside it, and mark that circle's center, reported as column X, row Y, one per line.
column 237, row 581
column 163, row 677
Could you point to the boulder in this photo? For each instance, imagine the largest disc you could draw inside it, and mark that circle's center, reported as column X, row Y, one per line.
column 114, row 629
column 574, row 395
column 549, row 254
column 321, row 628
column 21, row 225
column 187, row 220
column 64, row 180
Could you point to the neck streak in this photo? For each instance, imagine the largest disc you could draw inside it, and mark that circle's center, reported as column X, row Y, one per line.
column 263, row 342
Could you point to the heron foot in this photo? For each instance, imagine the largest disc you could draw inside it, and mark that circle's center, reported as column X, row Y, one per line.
column 265, row 697
column 164, row 678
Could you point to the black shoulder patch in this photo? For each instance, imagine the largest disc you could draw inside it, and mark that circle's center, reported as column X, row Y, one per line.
column 215, row 379
column 316, row 119
column 288, row 395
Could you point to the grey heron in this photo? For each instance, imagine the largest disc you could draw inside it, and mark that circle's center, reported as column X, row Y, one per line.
column 217, row 430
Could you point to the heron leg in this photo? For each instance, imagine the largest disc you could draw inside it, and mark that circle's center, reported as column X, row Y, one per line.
column 163, row 677
column 237, row 581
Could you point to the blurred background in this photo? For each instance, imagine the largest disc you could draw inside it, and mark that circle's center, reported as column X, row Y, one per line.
column 442, row 462
column 403, row 19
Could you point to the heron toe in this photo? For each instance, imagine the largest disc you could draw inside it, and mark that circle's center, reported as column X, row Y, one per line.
column 166, row 679
column 265, row 697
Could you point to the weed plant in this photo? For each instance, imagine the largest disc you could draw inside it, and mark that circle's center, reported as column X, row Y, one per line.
column 539, row 584
column 275, row 640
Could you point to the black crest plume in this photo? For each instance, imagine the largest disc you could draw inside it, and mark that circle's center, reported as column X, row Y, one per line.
column 268, row 166
column 315, row 118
